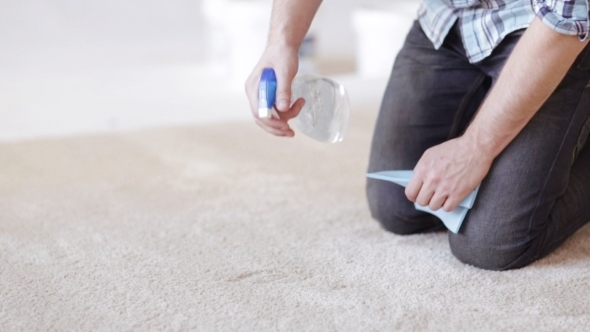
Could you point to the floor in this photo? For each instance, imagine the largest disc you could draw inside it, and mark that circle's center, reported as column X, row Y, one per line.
column 221, row 227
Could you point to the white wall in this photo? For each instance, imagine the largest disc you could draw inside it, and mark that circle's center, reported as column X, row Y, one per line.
column 82, row 66
column 58, row 34
column 54, row 35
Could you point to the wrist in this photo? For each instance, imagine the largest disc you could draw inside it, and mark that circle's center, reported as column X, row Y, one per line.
column 481, row 143
column 281, row 57
column 282, row 46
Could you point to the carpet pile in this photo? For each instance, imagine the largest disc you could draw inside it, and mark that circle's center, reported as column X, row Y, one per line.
column 224, row 227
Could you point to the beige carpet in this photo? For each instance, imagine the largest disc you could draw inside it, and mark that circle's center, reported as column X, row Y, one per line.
column 227, row 228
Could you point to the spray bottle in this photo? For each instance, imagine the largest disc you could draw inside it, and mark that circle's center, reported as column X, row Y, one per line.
column 326, row 112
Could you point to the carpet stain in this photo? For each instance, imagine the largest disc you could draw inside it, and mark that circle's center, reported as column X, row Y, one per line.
column 259, row 276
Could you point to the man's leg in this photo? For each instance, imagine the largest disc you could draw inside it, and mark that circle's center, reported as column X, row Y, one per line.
column 431, row 96
column 572, row 210
column 537, row 192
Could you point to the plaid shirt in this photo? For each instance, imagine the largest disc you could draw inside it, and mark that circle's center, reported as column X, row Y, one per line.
column 484, row 23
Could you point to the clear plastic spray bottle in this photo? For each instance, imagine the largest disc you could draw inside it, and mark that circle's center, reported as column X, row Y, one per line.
column 326, row 112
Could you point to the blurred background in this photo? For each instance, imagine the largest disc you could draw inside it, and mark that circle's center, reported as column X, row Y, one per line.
column 76, row 67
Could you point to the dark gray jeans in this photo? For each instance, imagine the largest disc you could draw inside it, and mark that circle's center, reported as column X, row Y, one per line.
column 537, row 192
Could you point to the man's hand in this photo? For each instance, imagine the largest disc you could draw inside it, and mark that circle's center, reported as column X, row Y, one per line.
column 447, row 173
column 285, row 62
column 289, row 24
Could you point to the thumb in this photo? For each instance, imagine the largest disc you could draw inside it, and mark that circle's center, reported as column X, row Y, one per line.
column 284, row 80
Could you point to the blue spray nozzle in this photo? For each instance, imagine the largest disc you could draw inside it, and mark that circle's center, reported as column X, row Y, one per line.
column 267, row 93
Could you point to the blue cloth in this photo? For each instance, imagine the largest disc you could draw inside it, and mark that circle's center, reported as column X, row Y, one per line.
column 484, row 23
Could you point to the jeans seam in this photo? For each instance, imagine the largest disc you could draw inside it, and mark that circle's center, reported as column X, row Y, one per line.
column 463, row 106
column 569, row 128
column 582, row 139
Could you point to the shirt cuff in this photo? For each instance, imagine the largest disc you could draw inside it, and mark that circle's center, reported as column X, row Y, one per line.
column 565, row 17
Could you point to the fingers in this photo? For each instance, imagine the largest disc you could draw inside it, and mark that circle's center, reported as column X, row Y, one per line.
column 435, row 198
column 280, row 127
column 284, row 61
column 413, row 188
column 284, row 79
column 425, row 193
column 277, row 127
column 452, row 202
column 294, row 110
column 424, row 196
column 437, row 201
column 277, row 131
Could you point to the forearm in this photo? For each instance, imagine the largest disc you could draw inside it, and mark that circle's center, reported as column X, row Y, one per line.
column 290, row 21
column 533, row 71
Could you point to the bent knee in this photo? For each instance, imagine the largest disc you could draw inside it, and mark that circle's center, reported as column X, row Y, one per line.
column 390, row 207
column 491, row 253
column 396, row 225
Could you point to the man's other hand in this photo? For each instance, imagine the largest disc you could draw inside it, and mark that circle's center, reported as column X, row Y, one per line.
column 447, row 173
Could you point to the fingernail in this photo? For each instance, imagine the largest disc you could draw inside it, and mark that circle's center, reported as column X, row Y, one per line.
column 282, row 105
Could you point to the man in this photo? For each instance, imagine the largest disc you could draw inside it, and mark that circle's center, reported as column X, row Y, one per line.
column 495, row 92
